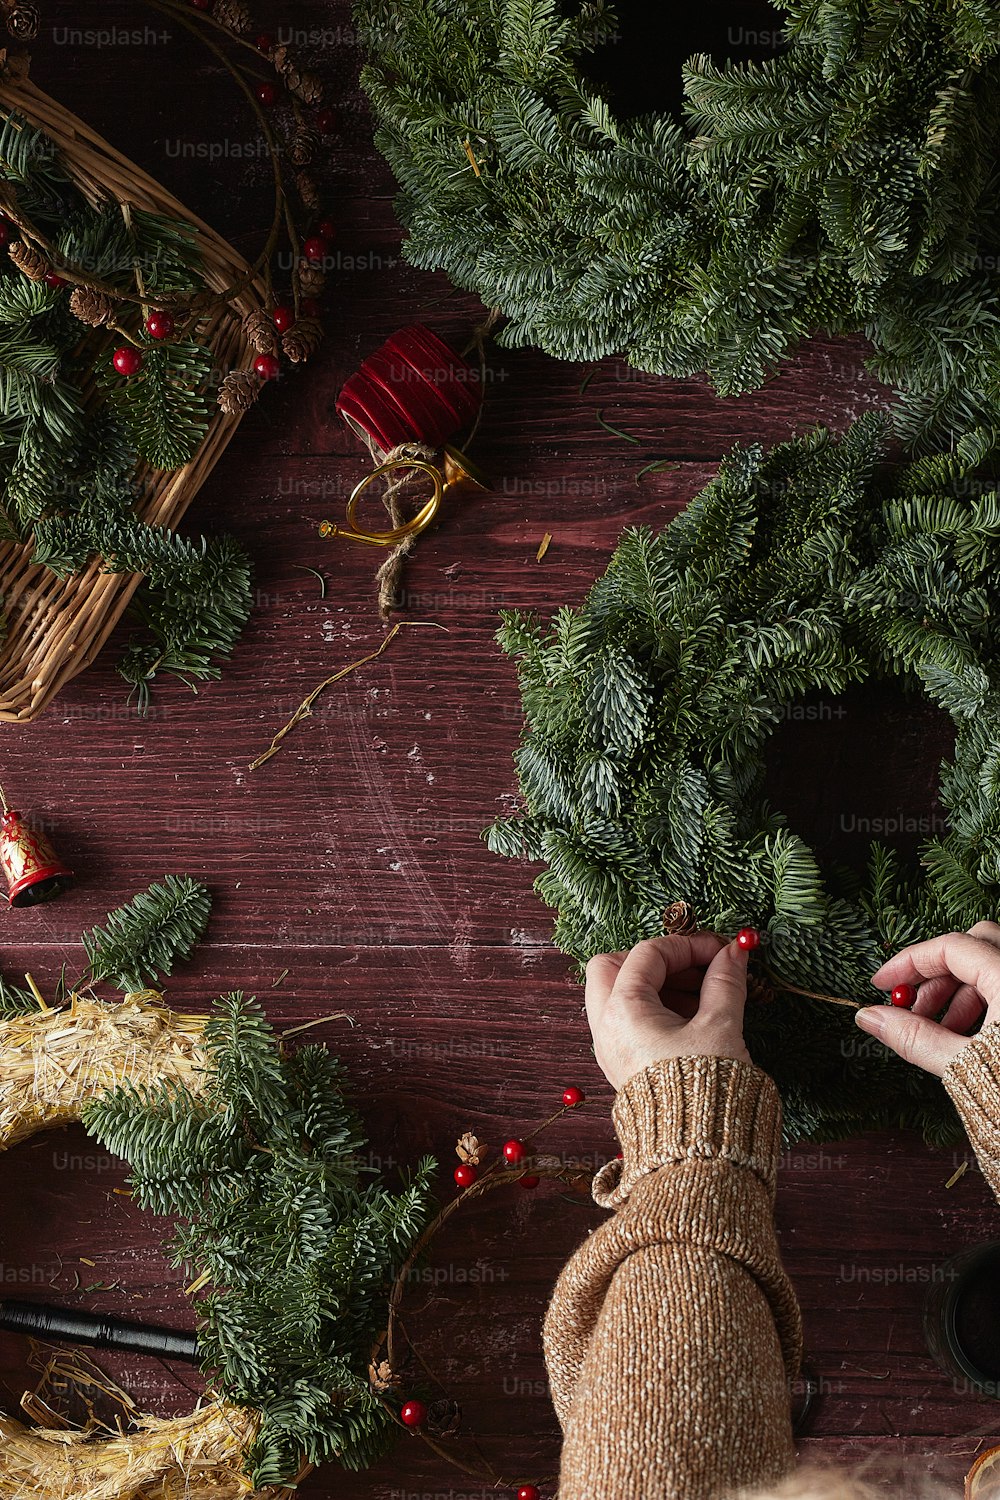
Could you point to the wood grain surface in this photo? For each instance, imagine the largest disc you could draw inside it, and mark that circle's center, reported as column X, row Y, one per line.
column 349, row 873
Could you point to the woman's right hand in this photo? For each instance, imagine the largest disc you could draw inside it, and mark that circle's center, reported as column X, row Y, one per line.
column 957, row 977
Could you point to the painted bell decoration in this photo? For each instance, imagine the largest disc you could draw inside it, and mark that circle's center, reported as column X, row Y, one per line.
column 33, row 870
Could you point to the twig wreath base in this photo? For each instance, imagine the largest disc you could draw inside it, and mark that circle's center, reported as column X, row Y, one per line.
column 52, row 1065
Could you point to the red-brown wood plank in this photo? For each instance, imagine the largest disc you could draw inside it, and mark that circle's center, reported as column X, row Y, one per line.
column 354, row 858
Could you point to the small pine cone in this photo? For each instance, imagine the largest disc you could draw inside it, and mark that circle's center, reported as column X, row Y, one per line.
column 308, row 190
column 470, row 1148
column 382, row 1377
column 91, row 306
column 238, row 391
column 303, row 147
column 261, row 332
column 680, row 917
column 301, row 341
column 28, row 260
column 234, row 14
column 22, row 22
column 444, row 1418
column 311, row 280
column 299, row 81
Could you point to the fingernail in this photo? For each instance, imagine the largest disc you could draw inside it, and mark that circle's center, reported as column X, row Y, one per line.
column 870, row 1018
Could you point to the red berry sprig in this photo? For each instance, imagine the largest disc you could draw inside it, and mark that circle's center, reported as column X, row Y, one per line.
column 267, row 366
column 413, row 1413
column 748, row 938
column 529, row 1492
column 283, row 317
column 903, row 995
column 315, row 248
column 514, row 1152
column 127, row 361
column 528, row 1181
column 54, row 280
column 267, row 94
column 160, row 325
column 573, row 1096
column 465, row 1175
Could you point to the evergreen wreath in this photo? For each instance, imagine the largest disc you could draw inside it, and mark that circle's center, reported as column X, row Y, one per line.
column 847, row 185
column 67, row 466
column 648, row 712
column 289, row 1234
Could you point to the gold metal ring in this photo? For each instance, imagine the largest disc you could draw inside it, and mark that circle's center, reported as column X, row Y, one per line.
column 395, row 534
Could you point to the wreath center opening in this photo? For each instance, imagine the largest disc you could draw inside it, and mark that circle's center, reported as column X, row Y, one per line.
column 859, row 766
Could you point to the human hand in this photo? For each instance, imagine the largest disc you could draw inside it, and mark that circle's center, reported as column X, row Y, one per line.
column 960, row 971
column 676, row 996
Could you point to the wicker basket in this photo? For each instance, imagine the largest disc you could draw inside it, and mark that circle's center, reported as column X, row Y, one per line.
column 57, row 626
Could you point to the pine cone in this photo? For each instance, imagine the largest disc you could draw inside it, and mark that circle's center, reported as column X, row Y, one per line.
column 238, row 391
column 680, row 917
column 470, row 1148
column 307, row 86
column 308, row 190
column 91, row 307
column 444, row 1418
column 234, row 14
column 28, row 260
column 311, row 280
column 261, row 332
column 301, row 341
column 22, row 22
column 303, row 147
column 382, row 1377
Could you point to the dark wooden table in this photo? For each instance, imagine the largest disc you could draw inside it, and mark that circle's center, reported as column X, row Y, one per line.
column 352, row 864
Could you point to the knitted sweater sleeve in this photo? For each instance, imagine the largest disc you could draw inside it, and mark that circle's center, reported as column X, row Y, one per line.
column 673, row 1331
column 973, row 1081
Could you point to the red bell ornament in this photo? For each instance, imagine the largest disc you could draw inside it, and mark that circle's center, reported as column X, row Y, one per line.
column 412, row 389
column 33, row 869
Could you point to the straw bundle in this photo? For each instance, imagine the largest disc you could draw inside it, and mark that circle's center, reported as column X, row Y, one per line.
column 57, row 626
column 51, row 1065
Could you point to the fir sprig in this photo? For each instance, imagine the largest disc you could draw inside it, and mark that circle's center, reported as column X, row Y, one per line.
column 290, row 1225
column 144, row 939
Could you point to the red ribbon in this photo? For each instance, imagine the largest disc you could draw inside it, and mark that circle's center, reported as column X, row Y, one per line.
column 412, row 389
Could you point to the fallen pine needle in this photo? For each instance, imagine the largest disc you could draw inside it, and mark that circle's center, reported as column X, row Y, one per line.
column 337, row 1015
column 586, row 381
column 305, row 707
column 546, row 539
column 616, row 430
column 196, row 1286
column 958, row 1174
column 281, row 976
column 472, row 157
column 85, row 1262
column 658, row 463
column 304, row 568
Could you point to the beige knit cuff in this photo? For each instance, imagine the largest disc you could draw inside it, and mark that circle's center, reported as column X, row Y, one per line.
column 687, row 1108
column 972, row 1079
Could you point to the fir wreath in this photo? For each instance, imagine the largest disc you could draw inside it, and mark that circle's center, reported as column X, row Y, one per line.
column 67, row 465
column 290, row 1235
column 648, row 711
column 849, row 184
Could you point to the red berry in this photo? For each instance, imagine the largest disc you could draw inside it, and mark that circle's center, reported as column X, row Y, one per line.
column 903, row 994
column 127, row 361
column 572, row 1096
column 201, row 4
column 283, row 317
column 529, row 1492
column 54, row 280
column 413, row 1413
column 529, row 1181
column 326, row 119
column 267, row 94
column 5, row 228
column 748, row 938
column 265, row 42
column 514, row 1153
column 315, row 247
column 327, row 228
column 466, row 1174
column 310, row 307
column 266, row 366
column 159, row 325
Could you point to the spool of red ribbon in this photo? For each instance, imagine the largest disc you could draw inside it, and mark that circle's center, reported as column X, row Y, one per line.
column 412, row 389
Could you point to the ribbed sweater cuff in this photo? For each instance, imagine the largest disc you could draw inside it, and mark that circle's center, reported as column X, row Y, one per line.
column 973, row 1081
column 688, row 1108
